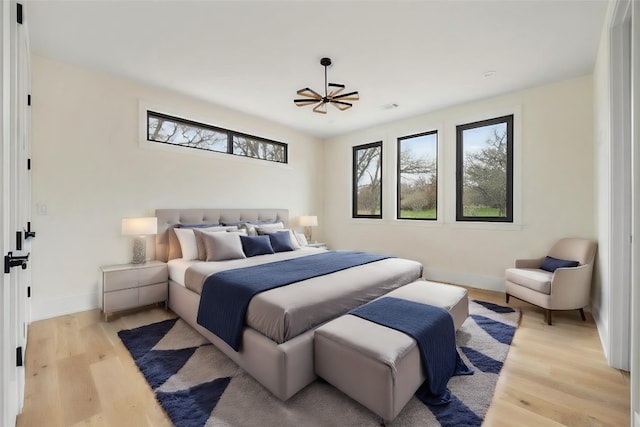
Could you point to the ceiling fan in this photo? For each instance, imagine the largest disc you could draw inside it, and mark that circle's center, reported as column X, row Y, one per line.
column 331, row 95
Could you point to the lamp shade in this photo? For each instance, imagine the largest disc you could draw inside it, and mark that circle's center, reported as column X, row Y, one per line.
column 309, row 221
column 139, row 226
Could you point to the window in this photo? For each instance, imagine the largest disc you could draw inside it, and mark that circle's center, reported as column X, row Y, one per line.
column 484, row 170
column 167, row 129
column 367, row 180
column 418, row 176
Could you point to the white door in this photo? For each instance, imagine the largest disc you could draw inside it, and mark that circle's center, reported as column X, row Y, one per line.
column 15, row 195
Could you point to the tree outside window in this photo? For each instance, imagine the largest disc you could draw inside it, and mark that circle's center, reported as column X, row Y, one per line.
column 484, row 173
column 166, row 129
column 418, row 176
column 367, row 180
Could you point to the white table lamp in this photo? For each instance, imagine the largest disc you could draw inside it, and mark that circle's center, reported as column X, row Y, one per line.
column 307, row 222
column 140, row 228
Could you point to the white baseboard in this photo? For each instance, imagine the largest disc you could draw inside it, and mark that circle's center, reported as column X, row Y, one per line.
column 45, row 308
column 471, row 280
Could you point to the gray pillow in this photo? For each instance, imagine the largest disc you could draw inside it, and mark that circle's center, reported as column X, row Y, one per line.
column 223, row 246
column 202, row 250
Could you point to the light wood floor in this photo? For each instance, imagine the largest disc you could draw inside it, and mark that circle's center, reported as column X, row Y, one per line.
column 78, row 373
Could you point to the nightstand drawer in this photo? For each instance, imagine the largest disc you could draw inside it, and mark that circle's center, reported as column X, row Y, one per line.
column 123, row 279
column 127, row 286
column 152, row 275
column 120, row 300
column 153, row 293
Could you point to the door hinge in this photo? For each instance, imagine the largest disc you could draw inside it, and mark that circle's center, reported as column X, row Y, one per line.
column 29, row 99
column 19, row 356
column 28, row 291
column 28, row 164
column 19, row 13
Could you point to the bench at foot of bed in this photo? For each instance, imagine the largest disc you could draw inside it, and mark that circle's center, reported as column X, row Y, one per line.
column 376, row 365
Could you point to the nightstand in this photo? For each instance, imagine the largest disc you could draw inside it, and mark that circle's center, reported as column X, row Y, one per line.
column 127, row 286
column 320, row 245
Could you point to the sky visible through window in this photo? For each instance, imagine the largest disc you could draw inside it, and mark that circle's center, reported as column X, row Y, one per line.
column 420, row 148
column 476, row 139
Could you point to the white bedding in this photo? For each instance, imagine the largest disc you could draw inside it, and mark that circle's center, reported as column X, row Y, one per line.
column 177, row 268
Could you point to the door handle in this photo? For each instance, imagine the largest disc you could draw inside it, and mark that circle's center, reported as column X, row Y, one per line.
column 15, row 261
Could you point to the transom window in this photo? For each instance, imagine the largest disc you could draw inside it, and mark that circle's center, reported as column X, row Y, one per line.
column 418, row 176
column 367, row 180
column 166, row 129
column 484, row 170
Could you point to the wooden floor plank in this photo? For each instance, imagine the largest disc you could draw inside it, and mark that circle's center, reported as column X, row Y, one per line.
column 78, row 373
column 78, row 395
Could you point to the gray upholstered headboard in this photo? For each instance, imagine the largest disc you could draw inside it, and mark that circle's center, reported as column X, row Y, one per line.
column 169, row 218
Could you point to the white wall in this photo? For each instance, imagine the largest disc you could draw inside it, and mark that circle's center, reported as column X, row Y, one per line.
column 554, row 155
column 90, row 171
column 602, row 196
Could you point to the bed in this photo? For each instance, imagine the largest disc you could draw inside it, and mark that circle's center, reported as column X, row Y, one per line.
column 277, row 339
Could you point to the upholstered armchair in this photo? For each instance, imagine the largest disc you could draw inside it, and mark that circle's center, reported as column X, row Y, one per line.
column 559, row 281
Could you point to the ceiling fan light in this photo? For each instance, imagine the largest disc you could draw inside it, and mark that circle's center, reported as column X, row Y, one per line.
column 331, row 91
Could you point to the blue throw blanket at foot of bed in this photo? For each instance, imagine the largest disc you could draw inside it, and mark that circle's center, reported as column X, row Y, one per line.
column 432, row 328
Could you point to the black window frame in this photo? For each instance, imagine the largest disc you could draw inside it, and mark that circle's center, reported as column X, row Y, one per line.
column 354, row 167
column 399, row 181
column 229, row 133
column 508, row 120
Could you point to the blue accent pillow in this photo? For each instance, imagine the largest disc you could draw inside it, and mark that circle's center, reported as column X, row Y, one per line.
column 256, row 245
column 281, row 241
column 551, row 264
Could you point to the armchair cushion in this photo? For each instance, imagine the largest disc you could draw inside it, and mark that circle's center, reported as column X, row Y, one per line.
column 551, row 264
column 532, row 278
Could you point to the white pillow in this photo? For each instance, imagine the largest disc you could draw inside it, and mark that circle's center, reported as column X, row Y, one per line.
column 294, row 241
column 188, row 244
column 302, row 239
column 223, row 246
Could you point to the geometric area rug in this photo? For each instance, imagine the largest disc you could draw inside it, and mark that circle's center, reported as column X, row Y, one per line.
column 197, row 385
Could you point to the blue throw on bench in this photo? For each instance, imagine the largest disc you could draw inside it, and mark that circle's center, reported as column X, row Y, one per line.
column 432, row 328
column 226, row 295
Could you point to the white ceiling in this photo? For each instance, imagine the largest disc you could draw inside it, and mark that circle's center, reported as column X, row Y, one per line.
column 253, row 56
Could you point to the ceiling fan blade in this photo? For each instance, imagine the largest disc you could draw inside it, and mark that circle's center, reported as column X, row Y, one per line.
column 336, row 89
column 310, row 93
column 341, row 105
column 320, row 108
column 350, row 96
column 304, row 102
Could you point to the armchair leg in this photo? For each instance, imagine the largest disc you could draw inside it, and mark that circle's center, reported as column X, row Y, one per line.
column 584, row 319
column 548, row 316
